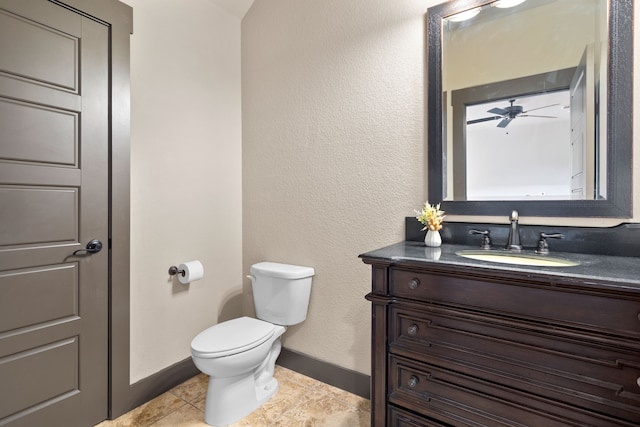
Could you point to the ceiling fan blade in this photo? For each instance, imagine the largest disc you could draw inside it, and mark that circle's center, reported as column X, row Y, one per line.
column 497, row 110
column 539, row 108
column 505, row 122
column 485, row 119
column 543, row 117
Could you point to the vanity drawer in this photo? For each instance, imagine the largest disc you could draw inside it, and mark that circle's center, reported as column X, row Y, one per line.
column 596, row 375
column 400, row 418
column 537, row 302
column 459, row 399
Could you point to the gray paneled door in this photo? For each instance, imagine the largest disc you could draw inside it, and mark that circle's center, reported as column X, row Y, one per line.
column 54, row 120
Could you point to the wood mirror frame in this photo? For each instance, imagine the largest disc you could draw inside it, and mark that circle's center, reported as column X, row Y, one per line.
column 619, row 131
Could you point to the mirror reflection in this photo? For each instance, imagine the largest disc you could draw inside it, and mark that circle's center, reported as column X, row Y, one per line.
column 524, row 101
column 528, row 129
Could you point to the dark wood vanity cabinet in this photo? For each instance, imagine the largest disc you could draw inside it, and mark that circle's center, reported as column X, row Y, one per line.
column 460, row 346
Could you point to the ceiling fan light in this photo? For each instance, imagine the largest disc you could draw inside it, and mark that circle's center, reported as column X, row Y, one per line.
column 464, row 16
column 504, row 4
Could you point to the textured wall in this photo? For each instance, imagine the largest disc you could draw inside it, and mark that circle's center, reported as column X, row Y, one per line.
column 333, row 151
column 186, row 175
column 333, row 159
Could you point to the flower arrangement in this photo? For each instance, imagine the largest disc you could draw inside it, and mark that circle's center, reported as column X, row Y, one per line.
column 431, row 217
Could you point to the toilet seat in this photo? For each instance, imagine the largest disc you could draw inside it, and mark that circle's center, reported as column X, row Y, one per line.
column 231, row 337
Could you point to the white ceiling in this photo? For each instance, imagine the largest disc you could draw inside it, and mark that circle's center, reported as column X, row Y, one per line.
column 236, row 7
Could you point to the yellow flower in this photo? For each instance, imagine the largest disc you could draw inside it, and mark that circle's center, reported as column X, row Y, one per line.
column 430, row 216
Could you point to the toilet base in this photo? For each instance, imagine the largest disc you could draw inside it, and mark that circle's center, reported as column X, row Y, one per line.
column 226, row 408
column 233, row 398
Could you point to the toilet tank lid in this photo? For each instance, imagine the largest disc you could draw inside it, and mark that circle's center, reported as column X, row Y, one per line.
column 282, row 271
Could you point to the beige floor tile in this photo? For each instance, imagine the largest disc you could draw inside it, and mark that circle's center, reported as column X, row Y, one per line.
column 317, row 404
column 345, row 419
column 291, row 379
column 150, row 412
column 255, row 419
column 355, row 401
column 192, row 389
column 284, row 399
column 200, row 402
column 301, row 401
column 186, row 416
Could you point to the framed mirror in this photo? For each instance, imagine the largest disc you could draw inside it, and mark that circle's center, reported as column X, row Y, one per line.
column 530, row 107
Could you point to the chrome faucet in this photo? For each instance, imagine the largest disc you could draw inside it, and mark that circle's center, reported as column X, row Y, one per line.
column 513, row 243
column 543, row 246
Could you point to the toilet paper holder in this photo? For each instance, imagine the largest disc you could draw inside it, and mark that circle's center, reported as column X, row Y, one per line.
column 173, row 270
column 188, row 271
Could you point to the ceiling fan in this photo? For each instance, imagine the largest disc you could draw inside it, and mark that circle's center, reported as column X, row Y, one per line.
column 507, row 114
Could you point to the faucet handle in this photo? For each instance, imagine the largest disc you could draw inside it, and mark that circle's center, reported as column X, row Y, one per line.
column 486, row 239
column 543, row 246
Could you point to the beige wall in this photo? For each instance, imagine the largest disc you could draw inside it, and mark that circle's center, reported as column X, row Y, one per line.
column 539, row 41
column 186, row 175
column 333, row 151
column 331, row 161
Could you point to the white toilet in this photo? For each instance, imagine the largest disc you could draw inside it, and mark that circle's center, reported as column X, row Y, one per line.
column 239, row 355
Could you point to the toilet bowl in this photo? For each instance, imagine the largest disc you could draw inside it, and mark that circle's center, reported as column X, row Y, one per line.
column 239, row 355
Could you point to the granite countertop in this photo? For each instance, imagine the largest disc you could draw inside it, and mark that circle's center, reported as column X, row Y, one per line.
column 602, row 270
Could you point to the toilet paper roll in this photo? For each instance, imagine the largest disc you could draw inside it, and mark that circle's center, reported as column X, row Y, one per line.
column 193, row 270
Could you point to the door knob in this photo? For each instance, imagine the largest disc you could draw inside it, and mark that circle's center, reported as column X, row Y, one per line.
column 93, row 247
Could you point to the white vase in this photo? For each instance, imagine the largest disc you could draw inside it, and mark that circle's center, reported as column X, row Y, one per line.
column 433, row 239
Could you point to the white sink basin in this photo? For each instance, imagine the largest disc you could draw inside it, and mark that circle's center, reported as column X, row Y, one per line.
column 517, row 259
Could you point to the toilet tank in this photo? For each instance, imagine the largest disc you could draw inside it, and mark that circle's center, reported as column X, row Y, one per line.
column 281, row 292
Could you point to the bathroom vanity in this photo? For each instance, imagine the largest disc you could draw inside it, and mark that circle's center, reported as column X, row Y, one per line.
column 459, row 342
column 467, row 342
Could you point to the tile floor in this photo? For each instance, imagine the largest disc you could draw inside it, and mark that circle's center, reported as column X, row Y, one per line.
column 301, row 401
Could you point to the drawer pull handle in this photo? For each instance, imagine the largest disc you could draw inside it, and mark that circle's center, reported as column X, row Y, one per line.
column 414, row 283
column 412, row 330
column 413, row 381
column 638, row 381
